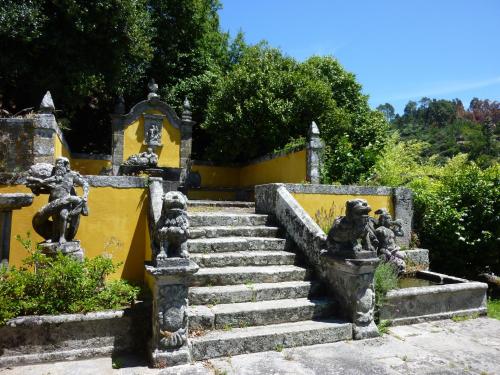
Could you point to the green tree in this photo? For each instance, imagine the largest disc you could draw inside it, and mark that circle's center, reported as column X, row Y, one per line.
column 267, row 100
column 388, row 111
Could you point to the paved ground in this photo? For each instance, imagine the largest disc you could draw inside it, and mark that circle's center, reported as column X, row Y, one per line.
column 444, row 347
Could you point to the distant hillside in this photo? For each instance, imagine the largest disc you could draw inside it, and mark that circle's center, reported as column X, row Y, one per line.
column 449, row 128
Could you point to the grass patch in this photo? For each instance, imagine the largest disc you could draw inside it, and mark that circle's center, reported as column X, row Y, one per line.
column 494, row 308
column 386, row 278
column 279, row 348
column 383, row 326
column 461, row 318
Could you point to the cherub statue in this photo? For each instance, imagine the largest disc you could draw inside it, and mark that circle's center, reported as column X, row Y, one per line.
column 58, row 220
column 386, row 232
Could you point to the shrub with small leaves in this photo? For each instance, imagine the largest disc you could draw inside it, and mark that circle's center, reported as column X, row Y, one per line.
column 61, row 284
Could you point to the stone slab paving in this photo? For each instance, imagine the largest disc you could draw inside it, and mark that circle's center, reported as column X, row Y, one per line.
column 437, row 348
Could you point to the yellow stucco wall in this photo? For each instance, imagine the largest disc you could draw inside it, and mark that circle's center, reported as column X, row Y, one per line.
column 89, row 166
column 215, row 176
column 289, row 168
column 116, row 225
column 60, row 149
column 168, row 154
column 313, row 203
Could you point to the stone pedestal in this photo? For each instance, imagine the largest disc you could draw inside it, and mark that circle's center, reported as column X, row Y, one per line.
column 351, row 282
column 169, row 285
column 70, row 248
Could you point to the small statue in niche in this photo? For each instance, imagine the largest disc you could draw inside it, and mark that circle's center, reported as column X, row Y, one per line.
column 144, row 159
column 58, row 220
column 353, row 234
column 153, row 135
column 173, row 227
column 386, row 232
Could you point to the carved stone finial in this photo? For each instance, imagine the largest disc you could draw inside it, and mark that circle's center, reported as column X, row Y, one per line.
column 186, row 112
column 313, row 130
column 120, row 105
column 153, row 89
column 47, row 104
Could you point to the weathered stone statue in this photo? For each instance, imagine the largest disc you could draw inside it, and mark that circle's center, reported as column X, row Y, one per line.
column 353, row 235
column 144, row 159
column 172, row 317
column 172, row 227
column 57, row 222
column 386, row 232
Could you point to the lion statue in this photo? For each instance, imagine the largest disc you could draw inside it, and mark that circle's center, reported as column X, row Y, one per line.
column 354, row 232
column 172, row 229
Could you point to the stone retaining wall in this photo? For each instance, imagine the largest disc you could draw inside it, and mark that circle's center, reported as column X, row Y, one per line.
column 47, row 338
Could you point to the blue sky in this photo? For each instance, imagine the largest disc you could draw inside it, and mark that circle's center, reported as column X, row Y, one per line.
column 399, row 50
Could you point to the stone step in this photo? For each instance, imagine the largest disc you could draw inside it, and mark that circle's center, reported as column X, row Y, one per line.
column 205, row 219
column 249, row 314
column 232, row 244
column 236, row 341
column 244, row 258
column 213, row 295
column 251, row 274
column 233, row 231
column 210, row 203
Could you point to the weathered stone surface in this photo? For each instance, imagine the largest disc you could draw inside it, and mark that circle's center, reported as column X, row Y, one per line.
column 417, row 259
column 209, row 203
column 203, row 219
column 260, row 313
column 411, row 305
column 242, row 275
column 34, row 339
column 47, row 104
column 58, row 220
column 231, row 244
column 244, row 258
column 262, row 338
column 14, row 201
column 233, row 231
column 251, row 292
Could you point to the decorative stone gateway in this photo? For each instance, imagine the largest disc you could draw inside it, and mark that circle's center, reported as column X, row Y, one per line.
column 169, row 275
column 57, row 222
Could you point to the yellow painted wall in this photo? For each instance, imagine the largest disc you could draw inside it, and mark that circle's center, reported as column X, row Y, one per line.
column 312, row 203
column 116, row 225
column 89, row 166
column 168, row 154
column 60, row 149
column 213, row 195
column 290, row 168
column 215, row 176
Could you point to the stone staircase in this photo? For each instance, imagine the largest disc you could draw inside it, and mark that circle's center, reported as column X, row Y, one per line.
column 251, row 294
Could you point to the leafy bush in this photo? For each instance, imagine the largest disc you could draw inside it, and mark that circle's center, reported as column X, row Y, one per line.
column 267, row 99
column 456, row 206
column 386, row 278
column 60, row 284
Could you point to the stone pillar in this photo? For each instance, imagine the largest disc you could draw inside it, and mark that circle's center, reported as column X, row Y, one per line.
column 8, row 203
column 186, row 134
column 44, row 132
column 403, row 211
column 169, row 284
column 352, row 283
column 314, row 148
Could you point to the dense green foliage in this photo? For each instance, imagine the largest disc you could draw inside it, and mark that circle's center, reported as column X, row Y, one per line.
column 89, row 52
column 449, row 129
column 385, row 279
column 494, row 308
column 456, row 205
column 46, row 285
column 267, row 100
